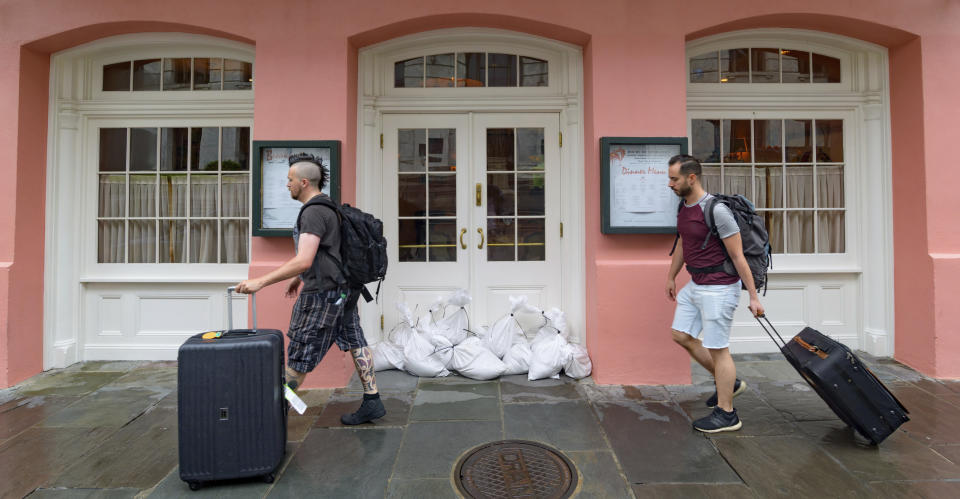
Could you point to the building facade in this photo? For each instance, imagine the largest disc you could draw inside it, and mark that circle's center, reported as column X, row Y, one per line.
column 473, row 131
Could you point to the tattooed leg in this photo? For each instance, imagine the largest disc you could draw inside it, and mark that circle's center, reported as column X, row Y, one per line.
column 363, row 361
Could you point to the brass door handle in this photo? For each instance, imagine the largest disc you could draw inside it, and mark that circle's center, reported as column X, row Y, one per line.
column 463, row 245
column 480, row 231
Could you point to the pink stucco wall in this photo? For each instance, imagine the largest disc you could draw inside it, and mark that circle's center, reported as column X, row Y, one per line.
column 306, row 89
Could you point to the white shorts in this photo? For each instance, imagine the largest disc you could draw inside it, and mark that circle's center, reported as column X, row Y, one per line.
column 708, row 309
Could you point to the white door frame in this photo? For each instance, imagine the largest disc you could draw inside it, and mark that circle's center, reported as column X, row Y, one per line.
column 864, row 92
column 76, row 100
column 563, row 95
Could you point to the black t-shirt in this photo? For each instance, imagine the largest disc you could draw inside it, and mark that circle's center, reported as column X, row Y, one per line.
column 322, row 222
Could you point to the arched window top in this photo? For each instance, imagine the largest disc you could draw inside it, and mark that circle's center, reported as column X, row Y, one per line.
column 764, row 65
column 177, row 74
column 471, row 69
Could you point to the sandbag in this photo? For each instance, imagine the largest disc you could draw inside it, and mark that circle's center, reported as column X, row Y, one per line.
column 473, row 360
column 579, row 364
column 550, row 354
column 517, row 358
column 387, row 355
column 454, row 326
column 506, row 331
column 419, row 358
column 401, row 333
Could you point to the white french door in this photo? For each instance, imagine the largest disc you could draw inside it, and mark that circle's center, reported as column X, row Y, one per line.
column 471, row 201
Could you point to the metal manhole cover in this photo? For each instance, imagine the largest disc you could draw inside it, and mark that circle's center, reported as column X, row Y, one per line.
column 515, row 468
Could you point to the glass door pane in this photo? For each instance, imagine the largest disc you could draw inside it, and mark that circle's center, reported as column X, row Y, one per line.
column 427, row 194
column 516, row 184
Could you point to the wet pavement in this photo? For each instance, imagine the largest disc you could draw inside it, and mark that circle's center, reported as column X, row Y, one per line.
column 109, row 430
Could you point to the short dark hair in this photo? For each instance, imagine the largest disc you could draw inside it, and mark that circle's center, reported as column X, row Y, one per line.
column 303, row 157
column 688, row 164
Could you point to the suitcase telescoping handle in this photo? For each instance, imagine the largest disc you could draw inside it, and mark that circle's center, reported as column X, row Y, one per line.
column 253, row 297
column 782, row 343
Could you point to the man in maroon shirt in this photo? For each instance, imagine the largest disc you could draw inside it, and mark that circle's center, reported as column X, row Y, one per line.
column 705, row 306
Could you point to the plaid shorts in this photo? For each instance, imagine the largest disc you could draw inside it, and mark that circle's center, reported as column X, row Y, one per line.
column 317, row 323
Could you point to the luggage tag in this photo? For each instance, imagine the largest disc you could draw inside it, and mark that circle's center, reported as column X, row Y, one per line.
column 296, row 402
column 211, row 335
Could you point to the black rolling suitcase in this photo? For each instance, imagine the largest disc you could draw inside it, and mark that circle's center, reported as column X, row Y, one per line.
column 843, row 382
column 230, row 405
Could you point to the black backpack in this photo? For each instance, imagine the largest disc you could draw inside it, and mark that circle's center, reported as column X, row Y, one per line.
column 363, row 249
column 753, row 234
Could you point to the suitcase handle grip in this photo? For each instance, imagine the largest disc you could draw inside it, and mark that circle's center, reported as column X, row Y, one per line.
column 782, row 343
column 253, row 297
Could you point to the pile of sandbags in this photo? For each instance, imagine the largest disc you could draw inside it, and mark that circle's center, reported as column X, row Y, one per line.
column 443, row 340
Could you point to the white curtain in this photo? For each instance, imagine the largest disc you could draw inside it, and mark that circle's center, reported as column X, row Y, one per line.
column 143, row 196
column 830, row 192
column 173, row 195
column 173, row 241
column 236, row 195
column 113, row 190
column 110, row 244
column 203, row 196
column 235, row 241
column 736, row 180
column 203, row 241
column 143, row 241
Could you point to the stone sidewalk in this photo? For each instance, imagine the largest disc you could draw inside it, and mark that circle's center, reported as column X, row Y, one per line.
column 108, row 429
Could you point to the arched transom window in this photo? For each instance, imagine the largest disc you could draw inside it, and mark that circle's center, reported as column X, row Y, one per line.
column 471, row 69
column 763, row 65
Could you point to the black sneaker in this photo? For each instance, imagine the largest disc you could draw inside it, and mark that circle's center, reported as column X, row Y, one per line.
column 718, row 420
column 738, row 388
column 372, row 408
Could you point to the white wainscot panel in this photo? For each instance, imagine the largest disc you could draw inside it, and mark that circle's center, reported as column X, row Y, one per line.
column 109, row 315
column 421, row 299
column 165, row 315
column 832, row 306
column 498, row 305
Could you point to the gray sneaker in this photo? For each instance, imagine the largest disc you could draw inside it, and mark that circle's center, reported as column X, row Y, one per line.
column 739, row 387
column 719, row 420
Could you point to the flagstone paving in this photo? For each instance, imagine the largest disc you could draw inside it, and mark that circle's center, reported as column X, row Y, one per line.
column 109, row 430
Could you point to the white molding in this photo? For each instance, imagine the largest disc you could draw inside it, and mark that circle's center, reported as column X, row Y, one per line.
column 376, row 97
column 863, row 97
column 75, row 100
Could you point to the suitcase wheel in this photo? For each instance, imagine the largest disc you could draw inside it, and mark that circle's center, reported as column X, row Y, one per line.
column 269, row 477
column 194, row 485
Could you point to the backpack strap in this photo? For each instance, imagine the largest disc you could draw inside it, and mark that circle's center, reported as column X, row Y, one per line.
column 329, row 203
column 708, row 206
column 677, row 239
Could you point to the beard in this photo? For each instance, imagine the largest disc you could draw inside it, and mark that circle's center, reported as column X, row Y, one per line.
column 294, row 193
column 682, row 191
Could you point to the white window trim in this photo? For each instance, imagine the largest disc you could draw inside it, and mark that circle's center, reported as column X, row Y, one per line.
column 862, row 94
column 76, row 102
column 563, row 95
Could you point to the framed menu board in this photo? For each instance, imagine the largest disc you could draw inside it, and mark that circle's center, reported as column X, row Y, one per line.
column 634, row 184
column 274, row 211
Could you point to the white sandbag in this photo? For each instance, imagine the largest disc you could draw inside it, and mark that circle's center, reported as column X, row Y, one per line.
column 442, row 349
column 517, row 358
column 579, row 364
column 506, row 331
column 550, row 354
column 454, row 326
column 401, row 333
column 419, row 358
column 473, row 360
column 557, row 320
column 387, row 356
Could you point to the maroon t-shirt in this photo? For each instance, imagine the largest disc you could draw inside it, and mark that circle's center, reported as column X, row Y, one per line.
column 693, row 230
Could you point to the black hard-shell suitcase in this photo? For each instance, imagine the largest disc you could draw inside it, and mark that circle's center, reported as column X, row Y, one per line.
column 848, row 386
column 230, row 405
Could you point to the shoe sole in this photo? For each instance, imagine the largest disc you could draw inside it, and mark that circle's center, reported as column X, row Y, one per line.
column 743, row 388
column 719, row 430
